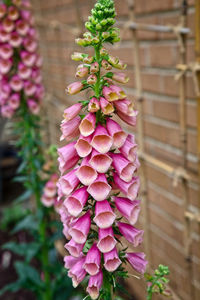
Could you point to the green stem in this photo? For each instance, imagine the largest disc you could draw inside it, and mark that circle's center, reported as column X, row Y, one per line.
column 30, row 153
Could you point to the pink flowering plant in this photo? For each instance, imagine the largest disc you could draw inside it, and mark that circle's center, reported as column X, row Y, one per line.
column 21, row 91
column 98, row 166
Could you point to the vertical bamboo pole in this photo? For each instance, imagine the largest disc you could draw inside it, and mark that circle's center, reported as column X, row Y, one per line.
column 183, row 140
column 197, row 52
column 138, row 83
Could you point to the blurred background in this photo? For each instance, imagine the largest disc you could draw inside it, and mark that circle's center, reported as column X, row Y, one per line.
column 164, row 83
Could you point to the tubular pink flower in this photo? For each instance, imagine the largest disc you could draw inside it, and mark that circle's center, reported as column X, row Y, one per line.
column 5, row 65
column 72, row 111
column 130, row 189
column 85, row 173
column 111, row 260
column 100, row 188
column 101, row 141
column 93, row 105
column 28, row 58
column 116, row 132
column 106, row 240
column 117, row 90
column 8, row 25
column 50, row 189
column 66, row 232
column 68, row 157
column 123, row 167
column 93, row 261
column 76, row 201
column 29, row 88
column 128, row 149
column 33, row 106
column 74, row 88
column 70, row 129
column 106, row 107
column 4, row 36
column 83, row 146
column 47, row 201
column 106, row 65
column 70, row 261
column 100, row 162
column 125, row 106
column 16, row 83
column 14, row 101
column 87, row 125
column 80, row 229
column 109, row 94
column 7, row 111
column 104, row 215
column 15, row 40
column 120, row 77
column 77, row 272
column 82, row 72
column 13, row 13
column 129, row 209
column 74, row 249
column 130, row 120
column 137, row 261
column 23, row 71
column 6, row 51
column 36, row 76
column 69, row 182
column 94, row 285
column 131, row 234
column 22, row 27
column 30, row 45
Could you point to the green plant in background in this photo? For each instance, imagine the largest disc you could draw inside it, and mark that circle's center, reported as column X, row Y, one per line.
column 156, row 283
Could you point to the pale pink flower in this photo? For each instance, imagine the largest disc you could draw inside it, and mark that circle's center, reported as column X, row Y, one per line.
column 111, row 260
column 15, row 39
column 116, row 89
column 30, row 45
column 8, row 25
column 106, row 107
column 94, row 285
column 106, row 65
column 5, row 65
column 4, row 36
column 70, row 129
column 70, row 261
column 68, row 157
column 120, row 77
column 130, row 120
column 23, row 71
column 3, row 9
column 29, row 88
column 6, row 51
column 72, row 111
column 76, row 201
column 137, row 261
column 82, row 72
column 130, row 189
column 100, row 188
column 129, row 209
column 116, row 132
column 122, row 166
column 92, row 79
column 47, row 201
column 129, row 148
column 85, row 173
column 94, row 68
column 106, row 240
column 7, row 111
column 109, row 94
column 22, row 27
column 93, row 261
column 28, row 58
column 33, row 106
column 131, row 234
column 126, row 107
column 87, row 125
column 100, row 162
column 16, row 83
column 74, row 248
column 74, row 88
column 77, row 272
column 69, row 182
column 101, row 140
column 14, row 101
column 80, row 229
column 93, row 105
column 104, row 215
column 83, row 146
column 13, row 13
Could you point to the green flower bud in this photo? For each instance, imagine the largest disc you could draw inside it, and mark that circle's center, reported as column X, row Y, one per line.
column 98, row 27
column 103, row 22
column 105, row 35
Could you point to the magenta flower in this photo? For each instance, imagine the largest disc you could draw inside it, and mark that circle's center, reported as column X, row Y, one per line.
column 19, row 60
column 103, row 186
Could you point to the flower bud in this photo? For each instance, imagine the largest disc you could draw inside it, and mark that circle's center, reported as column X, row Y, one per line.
column 93, row 105
column 82, row 72
column 120, row 77
column 92, row 79
column 74, row 88
column 106, row 65
column 88, row 59
column 94, row 67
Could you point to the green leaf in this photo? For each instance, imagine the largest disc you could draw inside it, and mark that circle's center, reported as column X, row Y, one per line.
column 12, row 215
column 26, row 195
column 27, row 272
column 12, row 287
column 28, row 251
column 28, row 223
